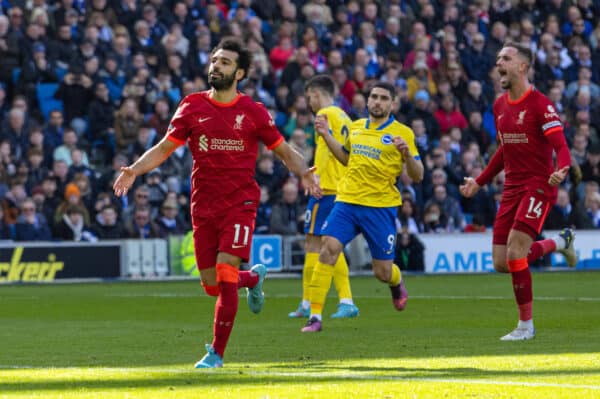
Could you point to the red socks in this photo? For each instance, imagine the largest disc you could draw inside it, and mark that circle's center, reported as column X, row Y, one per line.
column 540, row 248
column 226, row 306
column 247, row 279
column 522, row 287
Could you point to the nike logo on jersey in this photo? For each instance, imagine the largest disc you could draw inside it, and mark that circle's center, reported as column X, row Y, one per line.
column 235, row 246
column 201, row 120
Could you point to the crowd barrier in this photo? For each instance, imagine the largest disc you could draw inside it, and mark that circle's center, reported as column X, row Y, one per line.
column 49, row 261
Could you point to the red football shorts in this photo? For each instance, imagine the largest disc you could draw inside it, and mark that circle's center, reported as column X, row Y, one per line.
column 230, row 233
column 523, row 209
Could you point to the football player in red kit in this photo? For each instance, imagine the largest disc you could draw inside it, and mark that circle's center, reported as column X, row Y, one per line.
column 529, row 130
column 222, row 128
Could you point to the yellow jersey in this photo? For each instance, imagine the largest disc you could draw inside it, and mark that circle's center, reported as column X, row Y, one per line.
column 374, row 164
column 329, row 169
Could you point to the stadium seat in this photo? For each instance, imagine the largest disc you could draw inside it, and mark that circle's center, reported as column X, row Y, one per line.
column 16, row 73
column 46, row 100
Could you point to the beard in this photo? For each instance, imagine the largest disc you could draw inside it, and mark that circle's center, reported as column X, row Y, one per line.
column 378, row 113
column 221, row 82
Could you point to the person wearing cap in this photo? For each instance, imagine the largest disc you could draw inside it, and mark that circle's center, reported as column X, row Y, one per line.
column 422, row 111
column 420, row 79
column 72, row 197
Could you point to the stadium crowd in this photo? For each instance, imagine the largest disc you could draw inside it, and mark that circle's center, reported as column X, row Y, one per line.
column 87, row 86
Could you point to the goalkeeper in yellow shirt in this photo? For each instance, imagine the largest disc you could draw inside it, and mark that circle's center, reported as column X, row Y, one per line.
column 375, row 153
column 320, row 91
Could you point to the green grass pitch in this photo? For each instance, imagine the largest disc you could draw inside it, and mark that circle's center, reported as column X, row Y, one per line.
column 140, row 340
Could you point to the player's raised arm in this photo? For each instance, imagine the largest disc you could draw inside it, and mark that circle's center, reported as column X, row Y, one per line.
column 296, row 164
column 414, row 166
column 322, row 128
column 148, row 161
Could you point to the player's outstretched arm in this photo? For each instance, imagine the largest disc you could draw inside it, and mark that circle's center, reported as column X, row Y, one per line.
column 296, row 164
column 148, row 161
column 322, row 128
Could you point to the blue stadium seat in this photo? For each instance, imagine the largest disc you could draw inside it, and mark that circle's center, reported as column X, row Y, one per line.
column 46, row 100
column 16, row 73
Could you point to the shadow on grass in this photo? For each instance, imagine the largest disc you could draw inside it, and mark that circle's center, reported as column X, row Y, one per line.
column 279, row 374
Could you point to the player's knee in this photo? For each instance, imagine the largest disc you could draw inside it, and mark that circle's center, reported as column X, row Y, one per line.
column 227, row 273
column 382, row 274
column 501, row 267
column 211, row 290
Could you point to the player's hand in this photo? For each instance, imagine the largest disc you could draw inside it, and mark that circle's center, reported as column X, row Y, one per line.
column 310, row 182
column 469, row 188
column 322, row 125
column 558, row 176
column 124, row 181
column 402, row 146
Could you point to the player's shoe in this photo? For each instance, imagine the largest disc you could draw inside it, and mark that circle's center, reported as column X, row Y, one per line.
column 211, row 360
column 399, row 296
column 345, row 311
column 568, row 252
column 312, row 325
column 519, row 334
column 300, row 312
column 255, row 295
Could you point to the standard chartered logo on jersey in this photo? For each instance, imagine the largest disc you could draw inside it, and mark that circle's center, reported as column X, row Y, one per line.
column 217, row 144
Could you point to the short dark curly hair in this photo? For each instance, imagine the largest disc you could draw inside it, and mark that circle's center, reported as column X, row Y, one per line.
column 244, row 55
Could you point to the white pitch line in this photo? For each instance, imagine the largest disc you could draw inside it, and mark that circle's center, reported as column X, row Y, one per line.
column 318, row 375
column 448, row 297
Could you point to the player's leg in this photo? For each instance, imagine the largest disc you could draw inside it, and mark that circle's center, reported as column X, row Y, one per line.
column 338, row 230
column 562, row 243
column 379, row 228
column 518, row 246
column 312, row 246
column 341, row 280
column 529, row 220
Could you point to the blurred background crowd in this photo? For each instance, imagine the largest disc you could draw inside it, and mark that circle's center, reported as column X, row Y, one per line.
column 86, row 86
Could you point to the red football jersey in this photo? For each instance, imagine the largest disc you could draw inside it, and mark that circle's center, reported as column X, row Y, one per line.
column 523, row 126
column 223, row 140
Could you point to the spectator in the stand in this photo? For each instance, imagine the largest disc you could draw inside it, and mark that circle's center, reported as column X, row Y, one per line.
column 38, row 69
column 159, row 119
column 434, row 219
column 473, row 100
column 72, row 197
column 476, row 132
column 477, row 225
column 72, row 226
column 410, row 251
column 63, row 152
column 51, row 200
column 422, row 111
column 476, row 62
column 12, row 201
column 157, row 189
column 592, row 207
column 7, row 231
column 15, row 132
column 408, row 217
column 141, row 199
column 449, row 115
column 564, row 213
column 584, row 79
column 422, row 79
column 591, row 167
column 579, row 148
column 450, row 207
column 37, row 170
column 141, row 225
column 107, row 178
column 127, row 123
column 107, row 225
column 101, row 115
column 75, row 91
column 31, row 226
column 53, row 132
column 287, row 217
column 268, row 175
column 168, row 221
column 263, row 214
